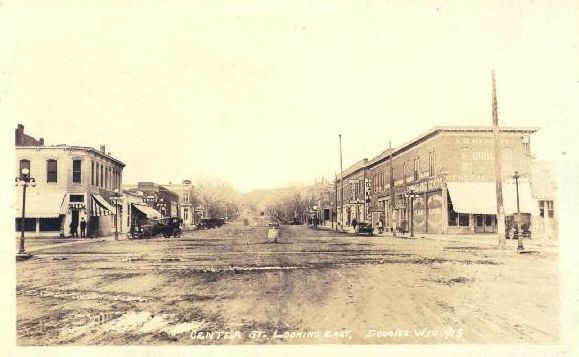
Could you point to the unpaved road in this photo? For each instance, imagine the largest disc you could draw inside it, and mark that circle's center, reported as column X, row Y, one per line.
column 230, row 286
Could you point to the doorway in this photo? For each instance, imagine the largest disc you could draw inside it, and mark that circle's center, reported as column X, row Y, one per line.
column 484, row 223
column 74, row 221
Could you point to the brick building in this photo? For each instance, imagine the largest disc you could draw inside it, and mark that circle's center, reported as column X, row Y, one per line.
column 158, row 197
column 450, row 170
column 72, row 183
column 187, row 199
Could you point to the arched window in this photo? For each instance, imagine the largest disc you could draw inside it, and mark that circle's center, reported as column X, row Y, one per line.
column 51, row 171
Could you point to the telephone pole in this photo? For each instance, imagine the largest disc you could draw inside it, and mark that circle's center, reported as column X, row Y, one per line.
column 341, row 187
column 498, row 169
column 392, row 200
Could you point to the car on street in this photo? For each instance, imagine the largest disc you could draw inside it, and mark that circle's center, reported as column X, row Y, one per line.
column 167, row 226
column 364, row 228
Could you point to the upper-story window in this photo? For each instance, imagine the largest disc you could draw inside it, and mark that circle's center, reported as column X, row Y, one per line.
column 92, row 173
column 466, row 161
column 416, row 168
column 76, row 171
column 24, row 164
column 432, row 163
column 51, row 171
column 102, row 176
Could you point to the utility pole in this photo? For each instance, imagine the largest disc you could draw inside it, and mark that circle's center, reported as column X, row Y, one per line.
column 392, row 199
column 341, row 187
column 498, row 169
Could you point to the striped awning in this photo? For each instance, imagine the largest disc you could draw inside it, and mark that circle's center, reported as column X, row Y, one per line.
column 148, row 211
column 40, row 204
column 100, row 207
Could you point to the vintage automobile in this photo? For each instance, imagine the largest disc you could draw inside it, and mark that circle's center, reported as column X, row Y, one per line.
column 365, row 227
column 207, row 223
column 168, row 226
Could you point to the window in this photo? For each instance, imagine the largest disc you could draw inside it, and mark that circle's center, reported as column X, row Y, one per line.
column 479, row 220
column 452, row 216
column 466, row 161
column 463, row 219
column 49, row 224
column 546, row 206
column 92, row 173
column 29, row 224
column 404, row 172
column 76, row 198
column 51, row 171
column 24, row 164
column 432, row 163
column 97, row 174
column 416, row 168
column 186, row 213
column 76, row 165
column 102, row 176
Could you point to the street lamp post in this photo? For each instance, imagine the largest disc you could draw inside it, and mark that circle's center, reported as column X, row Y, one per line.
column 519, row 235
column 116, row 197
column 410, row 194
column 25, row 180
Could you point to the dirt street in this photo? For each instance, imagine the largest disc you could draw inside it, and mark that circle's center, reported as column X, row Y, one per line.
column 231, row 286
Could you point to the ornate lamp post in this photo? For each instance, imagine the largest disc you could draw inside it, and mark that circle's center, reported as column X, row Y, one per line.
column 24, row 180
column 116, row 198
column 518, row 234
column 410, row 195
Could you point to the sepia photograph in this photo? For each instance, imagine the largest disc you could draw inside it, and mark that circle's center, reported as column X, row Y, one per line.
column 289, row 177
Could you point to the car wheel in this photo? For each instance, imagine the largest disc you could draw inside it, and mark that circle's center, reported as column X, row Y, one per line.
column 166, row 235
column 177, row 233
column 147, row 234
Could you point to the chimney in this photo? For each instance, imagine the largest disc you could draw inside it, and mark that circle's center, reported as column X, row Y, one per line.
column 103, row 149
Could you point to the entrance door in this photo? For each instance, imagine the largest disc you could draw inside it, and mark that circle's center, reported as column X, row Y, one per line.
column 74, row 221
column 484, row 223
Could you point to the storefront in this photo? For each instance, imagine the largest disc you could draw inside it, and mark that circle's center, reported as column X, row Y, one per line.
column 472, row 206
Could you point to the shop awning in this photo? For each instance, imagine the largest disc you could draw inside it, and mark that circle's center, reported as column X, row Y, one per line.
column 148, row 211
column 40, row 204
column 103, row 207
column 480, row 198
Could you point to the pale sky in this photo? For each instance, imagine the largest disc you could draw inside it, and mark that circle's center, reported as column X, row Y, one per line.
column 257, row 92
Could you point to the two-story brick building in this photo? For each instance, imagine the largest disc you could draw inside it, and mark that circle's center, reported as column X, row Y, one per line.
column 450, row 170
column 186, row 192
column 158, row 197
column 72, row 183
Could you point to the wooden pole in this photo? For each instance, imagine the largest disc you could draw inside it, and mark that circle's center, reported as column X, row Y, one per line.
column 341, row 187
column 392, row 199
column 498, row 169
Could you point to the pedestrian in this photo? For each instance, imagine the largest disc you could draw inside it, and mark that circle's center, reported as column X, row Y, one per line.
column 73, row 229
column 82, row 228
column 380, row 225
column 354, row 223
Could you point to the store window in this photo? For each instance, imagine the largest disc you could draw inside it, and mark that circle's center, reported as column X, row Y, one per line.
column 76, row 166
column 463, row 219
column 432, row 163
column 546, row 207
column 51, row 171
column 29, row 224
column 452, row 216
column 49, row 224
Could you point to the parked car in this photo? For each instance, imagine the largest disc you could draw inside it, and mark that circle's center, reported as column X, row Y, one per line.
column 294, row 222
column 365, row 227
column 207, row 223
column 168, row 226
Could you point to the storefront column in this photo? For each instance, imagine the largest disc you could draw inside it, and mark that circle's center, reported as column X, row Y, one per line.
column 444, row 210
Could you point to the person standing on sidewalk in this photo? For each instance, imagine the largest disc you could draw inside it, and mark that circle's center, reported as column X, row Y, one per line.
column 354, row 223
column 82, row 228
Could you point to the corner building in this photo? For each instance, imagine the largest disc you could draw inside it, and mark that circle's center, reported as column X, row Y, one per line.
column 451, row 171
column 72, row 182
